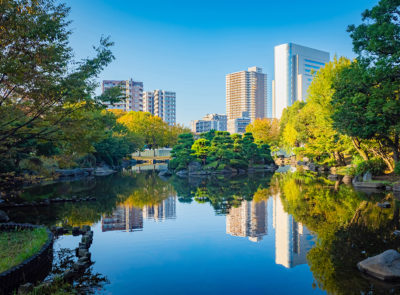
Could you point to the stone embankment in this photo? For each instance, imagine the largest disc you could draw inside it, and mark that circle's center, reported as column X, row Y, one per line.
column 46, row 202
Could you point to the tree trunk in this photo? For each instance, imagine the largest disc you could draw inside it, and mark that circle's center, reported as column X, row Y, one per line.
column 357, row 145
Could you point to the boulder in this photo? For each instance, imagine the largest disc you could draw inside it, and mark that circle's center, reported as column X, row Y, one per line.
column 396, row 187
column 333, row 177
column 194, row 167
column 384, row 205
column 69, row 274
column 25, row 288
column 347, row 179
column 3, row 217
column 367, row 176
column 76, row 231
column 86, row 228
column 182, row 173
column 385, row 266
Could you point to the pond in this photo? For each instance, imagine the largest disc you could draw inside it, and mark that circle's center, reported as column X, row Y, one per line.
column 282, row 233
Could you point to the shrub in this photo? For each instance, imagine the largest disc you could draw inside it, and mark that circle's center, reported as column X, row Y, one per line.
column 375, row 166
column 397, row 169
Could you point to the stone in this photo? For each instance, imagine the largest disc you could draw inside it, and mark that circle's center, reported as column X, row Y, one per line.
column 82, row 252
column 3, row 217
column 385, row 266
column 367, row 176
column 384, row 205
column 25, row 288
column 78, row 266
column 333, row 177
column 347, row 179
column 76, row 231
column 182, row 173
column 165, row 173
column 85, row 228
column 396, row 187
column 388, row 188
column 69, row 274
column 194, row 166
column 396, row 233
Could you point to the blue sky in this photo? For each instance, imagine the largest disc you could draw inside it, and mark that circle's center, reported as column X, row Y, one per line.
column 189, row 46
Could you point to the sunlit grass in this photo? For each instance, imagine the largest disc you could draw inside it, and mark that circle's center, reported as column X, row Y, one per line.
column 16, row 246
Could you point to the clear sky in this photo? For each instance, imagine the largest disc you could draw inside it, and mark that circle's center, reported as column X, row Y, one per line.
column 189, row 46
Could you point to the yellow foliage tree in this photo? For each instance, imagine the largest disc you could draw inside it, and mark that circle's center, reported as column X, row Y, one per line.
column 265, row 130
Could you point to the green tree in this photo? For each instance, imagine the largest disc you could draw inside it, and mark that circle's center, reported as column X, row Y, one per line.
column 182, row 152
column 366, row 99
column 201, row 148
column 40, row 83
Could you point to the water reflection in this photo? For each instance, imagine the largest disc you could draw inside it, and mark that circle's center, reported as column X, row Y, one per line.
column 292, row 239
column 295, row 219
column 250, row 220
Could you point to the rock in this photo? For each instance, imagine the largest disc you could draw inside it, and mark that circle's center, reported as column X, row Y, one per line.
column 347, row 179
column 384, row 205
column 82, row 252
column 25, row 288
column 385, row 266
column 165, row 173
column 194, row 167
column 367, row 176
column 388, row 188
column 396, row 187
column 312, row 167
column 76, row 231
column 85, row 228
column 69, row 274
column 182, row 173
column 79, row 265
column 3, row 217
column 396, row 233
column 333, row 177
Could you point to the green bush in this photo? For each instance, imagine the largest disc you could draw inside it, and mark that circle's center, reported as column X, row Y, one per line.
column 375, row 166
column 238, row 164
column 397, row 169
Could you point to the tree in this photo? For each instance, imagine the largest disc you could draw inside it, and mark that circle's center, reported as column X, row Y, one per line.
column 181, row 153
column 366, row 99
column 41, row 85
column 153, row 129
column 201, row 148
column 265, row 130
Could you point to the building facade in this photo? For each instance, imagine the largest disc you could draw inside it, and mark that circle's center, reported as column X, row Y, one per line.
column 294, row 66
column 238, row 125
column 246, row 91
column 133, row 94
column 210, row 122
column 161, row 103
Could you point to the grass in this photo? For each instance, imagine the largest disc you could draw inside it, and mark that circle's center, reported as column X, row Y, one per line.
column 16, row 246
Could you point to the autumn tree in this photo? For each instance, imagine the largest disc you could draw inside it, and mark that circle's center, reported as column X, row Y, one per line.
column 265, row 130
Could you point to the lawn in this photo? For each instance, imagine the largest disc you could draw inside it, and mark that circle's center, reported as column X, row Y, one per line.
column 16, row 246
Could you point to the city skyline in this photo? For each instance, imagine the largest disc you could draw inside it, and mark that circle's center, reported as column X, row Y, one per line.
column 192, row 54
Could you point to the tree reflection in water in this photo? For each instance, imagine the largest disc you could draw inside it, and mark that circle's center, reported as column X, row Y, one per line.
column 349, row 227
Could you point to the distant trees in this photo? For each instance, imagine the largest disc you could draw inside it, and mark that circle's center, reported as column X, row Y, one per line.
column 218, row 150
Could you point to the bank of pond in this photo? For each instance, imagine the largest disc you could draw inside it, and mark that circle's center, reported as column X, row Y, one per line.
column 295, row 225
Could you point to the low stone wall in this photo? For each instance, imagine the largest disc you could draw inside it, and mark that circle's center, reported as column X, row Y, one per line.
column 32, row 269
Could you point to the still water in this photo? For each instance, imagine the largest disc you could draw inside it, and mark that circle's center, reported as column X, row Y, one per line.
column 286, row 233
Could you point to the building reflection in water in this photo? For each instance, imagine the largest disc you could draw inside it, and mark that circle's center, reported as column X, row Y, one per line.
column 292, row 239
column 130, row 218
column 248, row 220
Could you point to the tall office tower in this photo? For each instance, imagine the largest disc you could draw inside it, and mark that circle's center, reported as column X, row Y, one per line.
column 249, row 220
column 292, row 239
column 293, row 72
column 209, row 122
column 246, row 91
column 133, row 94
column 124, row 217
column 159, row 212
column 161, row 103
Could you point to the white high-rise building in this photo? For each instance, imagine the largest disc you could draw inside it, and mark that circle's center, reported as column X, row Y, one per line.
column 161, row 103
column 293, row 72
column 246, row 91
column 133, row 92
column 209, row 122
column 292, row 239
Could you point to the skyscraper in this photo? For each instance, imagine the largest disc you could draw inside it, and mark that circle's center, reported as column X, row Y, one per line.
column 292, row 239
column 209, row 122
column 161, row 103
column 124, row 217
column 133, row 94
column 293, row 72
column 250, row 219
column 246, row 91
